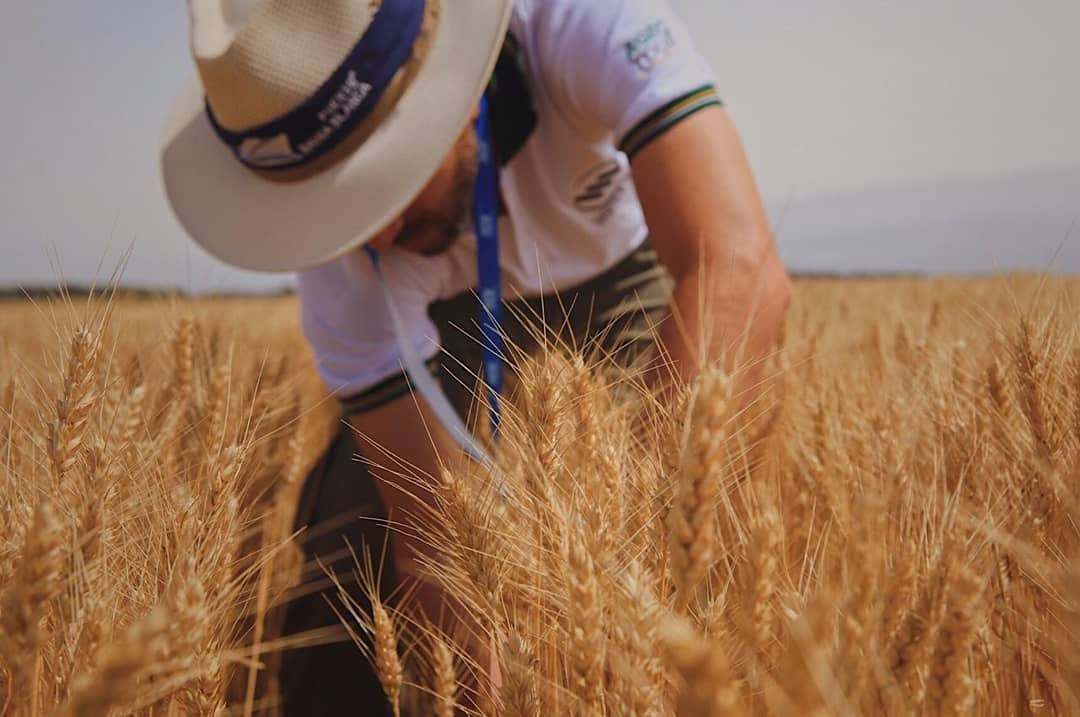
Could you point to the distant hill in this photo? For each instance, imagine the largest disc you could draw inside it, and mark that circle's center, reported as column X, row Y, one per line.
column 40, row 292
column 54, row 292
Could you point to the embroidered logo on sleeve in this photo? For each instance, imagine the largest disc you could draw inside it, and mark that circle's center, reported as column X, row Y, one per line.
column 651, row 46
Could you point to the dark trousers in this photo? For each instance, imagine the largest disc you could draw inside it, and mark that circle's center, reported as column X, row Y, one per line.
column 339, row 506
column 618, row 310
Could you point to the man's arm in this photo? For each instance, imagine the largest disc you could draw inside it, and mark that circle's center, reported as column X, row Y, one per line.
column 405, row 447
column 710, row 229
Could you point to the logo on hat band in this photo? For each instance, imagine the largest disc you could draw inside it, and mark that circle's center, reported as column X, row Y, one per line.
column 341, row 104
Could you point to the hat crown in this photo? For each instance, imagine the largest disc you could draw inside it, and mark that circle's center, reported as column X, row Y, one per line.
column 260, row 59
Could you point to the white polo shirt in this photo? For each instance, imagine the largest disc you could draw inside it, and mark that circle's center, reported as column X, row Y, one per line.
column 605, row 77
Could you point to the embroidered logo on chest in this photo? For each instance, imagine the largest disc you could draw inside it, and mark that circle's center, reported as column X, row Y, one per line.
column 651, row 46
column 598, row 190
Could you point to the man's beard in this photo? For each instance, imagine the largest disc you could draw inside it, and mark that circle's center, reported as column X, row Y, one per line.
column 433, row 233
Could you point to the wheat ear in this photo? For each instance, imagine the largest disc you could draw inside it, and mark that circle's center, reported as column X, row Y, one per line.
column 916, row 637
column 691, row 522
column 177, row 399
column 1032, row 375
column 215, row 421
column 950, row 686
column 121, row 664
column 387, row 662
column 444, row 677
column 636, row 675
column 183, row 359
column 7, row 425
column 25, row 603
column 706, row 687
column 765, row 543
column 1075, row 369
column 586, row 643
column 92, row 526
column 518, row 695
column 73, row 408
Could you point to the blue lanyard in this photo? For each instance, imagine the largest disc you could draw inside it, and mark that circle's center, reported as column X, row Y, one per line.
column 487, row 259
column 420, row 379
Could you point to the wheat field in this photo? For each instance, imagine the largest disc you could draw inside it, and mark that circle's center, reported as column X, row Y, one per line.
column 890, row 528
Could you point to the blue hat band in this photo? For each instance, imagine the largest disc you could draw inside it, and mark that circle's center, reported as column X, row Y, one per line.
column 340, row 104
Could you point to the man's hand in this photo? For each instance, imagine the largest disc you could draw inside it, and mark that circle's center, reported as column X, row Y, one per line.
column 709, row 227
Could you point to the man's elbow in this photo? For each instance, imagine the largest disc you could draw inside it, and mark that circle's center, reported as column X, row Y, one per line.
column 770, row 291
column 758, row 281
column 765, row 290
column 776, row 284
column 753, row 270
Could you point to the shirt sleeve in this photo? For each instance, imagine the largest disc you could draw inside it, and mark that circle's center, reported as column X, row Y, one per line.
column 628, row 67
column 346, row 322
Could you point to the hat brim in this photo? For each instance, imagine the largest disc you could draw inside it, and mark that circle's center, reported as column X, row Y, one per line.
column 261, row 225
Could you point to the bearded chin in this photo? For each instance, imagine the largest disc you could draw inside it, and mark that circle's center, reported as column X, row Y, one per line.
column 459, row 220
column 436, row 232
column 448, row 240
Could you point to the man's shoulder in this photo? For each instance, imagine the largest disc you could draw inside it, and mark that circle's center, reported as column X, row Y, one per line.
column 339, row 287
column 329, row 288
column 581, row 37
column 537, row 24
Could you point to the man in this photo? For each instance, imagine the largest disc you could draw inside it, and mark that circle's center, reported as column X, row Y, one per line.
column 321, row 128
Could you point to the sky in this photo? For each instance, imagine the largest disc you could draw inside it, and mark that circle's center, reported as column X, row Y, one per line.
column 922, row 136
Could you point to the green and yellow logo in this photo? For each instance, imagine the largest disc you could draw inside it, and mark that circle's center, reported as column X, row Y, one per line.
column 651, row 46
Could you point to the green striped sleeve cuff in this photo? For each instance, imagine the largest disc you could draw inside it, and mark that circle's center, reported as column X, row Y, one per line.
column 385, row 392
column 667, row 117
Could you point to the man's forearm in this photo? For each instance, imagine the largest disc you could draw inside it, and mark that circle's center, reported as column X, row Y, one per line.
column 728, row 314
column 711, row 231
column 406, row 448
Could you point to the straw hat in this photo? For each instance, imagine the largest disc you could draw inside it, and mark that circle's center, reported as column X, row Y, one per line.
column 314, row 123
